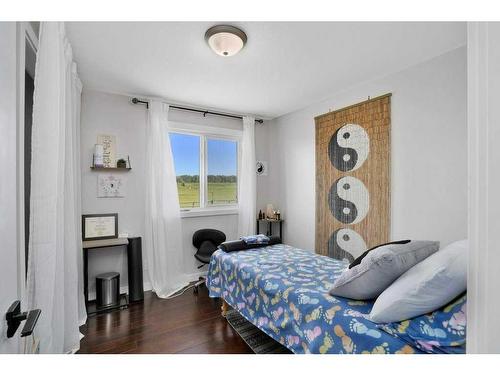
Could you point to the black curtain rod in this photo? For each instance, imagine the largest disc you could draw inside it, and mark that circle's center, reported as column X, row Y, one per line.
column 138, row 101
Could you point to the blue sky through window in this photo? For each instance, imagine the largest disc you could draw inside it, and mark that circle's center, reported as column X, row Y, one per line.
column 222, row 155
column 186, row 153
column 222, row 159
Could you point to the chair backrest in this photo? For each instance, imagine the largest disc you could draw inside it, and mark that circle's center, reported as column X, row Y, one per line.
column 213, row 235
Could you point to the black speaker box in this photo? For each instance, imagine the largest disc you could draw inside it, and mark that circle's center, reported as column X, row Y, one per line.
column 134, row 259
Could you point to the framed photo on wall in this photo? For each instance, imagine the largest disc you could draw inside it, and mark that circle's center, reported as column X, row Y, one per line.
column 99, row 226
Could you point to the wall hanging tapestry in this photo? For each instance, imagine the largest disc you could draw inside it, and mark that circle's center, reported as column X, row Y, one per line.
column 353, row 178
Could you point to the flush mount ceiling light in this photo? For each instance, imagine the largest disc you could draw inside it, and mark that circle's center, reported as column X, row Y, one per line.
column 225, row 40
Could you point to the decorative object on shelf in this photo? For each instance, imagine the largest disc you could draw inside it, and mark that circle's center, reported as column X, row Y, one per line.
column 110, row 186
column 278, row 215
column 262, row 168
column 98, row 160
column 269, row 211
column 261, row 215
column 108, row 143
column 99, row 226
column 110, row 169
column 121, row 163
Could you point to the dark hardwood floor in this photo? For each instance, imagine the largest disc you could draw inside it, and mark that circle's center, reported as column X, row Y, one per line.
column 185, row 324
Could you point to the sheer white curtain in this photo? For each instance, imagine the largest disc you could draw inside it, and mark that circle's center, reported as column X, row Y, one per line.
column 54, row 282
column 247, row 184
column 163, row 236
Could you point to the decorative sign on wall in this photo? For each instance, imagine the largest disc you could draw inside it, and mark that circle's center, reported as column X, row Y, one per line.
column 110, row 186
column 353, row 178
column 261, row 168
column 108, row 143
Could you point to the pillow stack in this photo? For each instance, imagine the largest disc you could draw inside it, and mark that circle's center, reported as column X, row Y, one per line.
column 410, row 278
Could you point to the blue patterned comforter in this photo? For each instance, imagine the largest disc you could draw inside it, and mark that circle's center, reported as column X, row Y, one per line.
column 284, row 292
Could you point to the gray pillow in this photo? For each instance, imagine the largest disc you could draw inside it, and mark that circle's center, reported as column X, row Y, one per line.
column 380, row 268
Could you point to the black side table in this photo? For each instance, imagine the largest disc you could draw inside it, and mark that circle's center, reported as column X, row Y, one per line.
column 270, row 223
column 134, row 261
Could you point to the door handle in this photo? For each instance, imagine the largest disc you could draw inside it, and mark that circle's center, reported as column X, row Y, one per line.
column 14, row 318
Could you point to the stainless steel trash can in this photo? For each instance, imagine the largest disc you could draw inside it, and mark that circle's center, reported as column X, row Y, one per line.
column 107, row 289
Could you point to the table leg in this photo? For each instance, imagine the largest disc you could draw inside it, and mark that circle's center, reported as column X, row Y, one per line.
column 281, row 231
column 86, row 275
column 270, row 224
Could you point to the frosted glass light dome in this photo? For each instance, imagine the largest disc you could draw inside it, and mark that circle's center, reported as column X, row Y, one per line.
column 225, row 40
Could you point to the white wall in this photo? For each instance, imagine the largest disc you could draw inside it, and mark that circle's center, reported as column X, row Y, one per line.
column 262, row 144
column 8, row 182
column 429, row 153
column 483, row 305
column 111, row 114
column 104, row 113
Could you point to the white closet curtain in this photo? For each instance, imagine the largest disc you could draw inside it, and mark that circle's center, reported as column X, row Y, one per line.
column 55, row 280
column 247, row 185
column 163, row 235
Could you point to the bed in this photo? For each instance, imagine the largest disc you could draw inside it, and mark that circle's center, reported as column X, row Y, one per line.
column 284, row 292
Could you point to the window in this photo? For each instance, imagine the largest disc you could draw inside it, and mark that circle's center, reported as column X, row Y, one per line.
column 186, row 154
column 222, row 165
column 206, row 168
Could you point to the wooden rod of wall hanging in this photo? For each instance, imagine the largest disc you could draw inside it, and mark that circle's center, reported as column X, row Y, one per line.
column 354, row 105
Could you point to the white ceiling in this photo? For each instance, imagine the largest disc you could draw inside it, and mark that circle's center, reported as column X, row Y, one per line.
column 284, row 66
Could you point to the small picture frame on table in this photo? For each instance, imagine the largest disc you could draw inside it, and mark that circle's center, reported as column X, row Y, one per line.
column 99, row 227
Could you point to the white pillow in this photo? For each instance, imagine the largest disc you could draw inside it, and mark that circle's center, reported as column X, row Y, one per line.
column 425, row 287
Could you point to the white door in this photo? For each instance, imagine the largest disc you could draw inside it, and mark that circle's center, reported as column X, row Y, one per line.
column 14, row 37
column 9, row 264
column 483, row 305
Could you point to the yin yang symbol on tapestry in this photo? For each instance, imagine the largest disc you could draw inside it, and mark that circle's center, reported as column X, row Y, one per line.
column 349, row 147
column 352, row 179
column 349, row 200
column 344, row 243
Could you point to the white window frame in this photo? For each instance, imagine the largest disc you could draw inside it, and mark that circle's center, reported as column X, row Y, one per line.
column 205, row 133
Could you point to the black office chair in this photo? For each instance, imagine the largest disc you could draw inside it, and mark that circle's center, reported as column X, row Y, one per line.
column 206, row 241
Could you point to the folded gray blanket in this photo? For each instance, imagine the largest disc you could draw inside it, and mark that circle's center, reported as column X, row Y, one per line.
column 239, row 245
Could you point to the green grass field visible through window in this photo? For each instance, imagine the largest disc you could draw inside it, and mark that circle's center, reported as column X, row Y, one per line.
column 218, row 193
column 189, row 194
